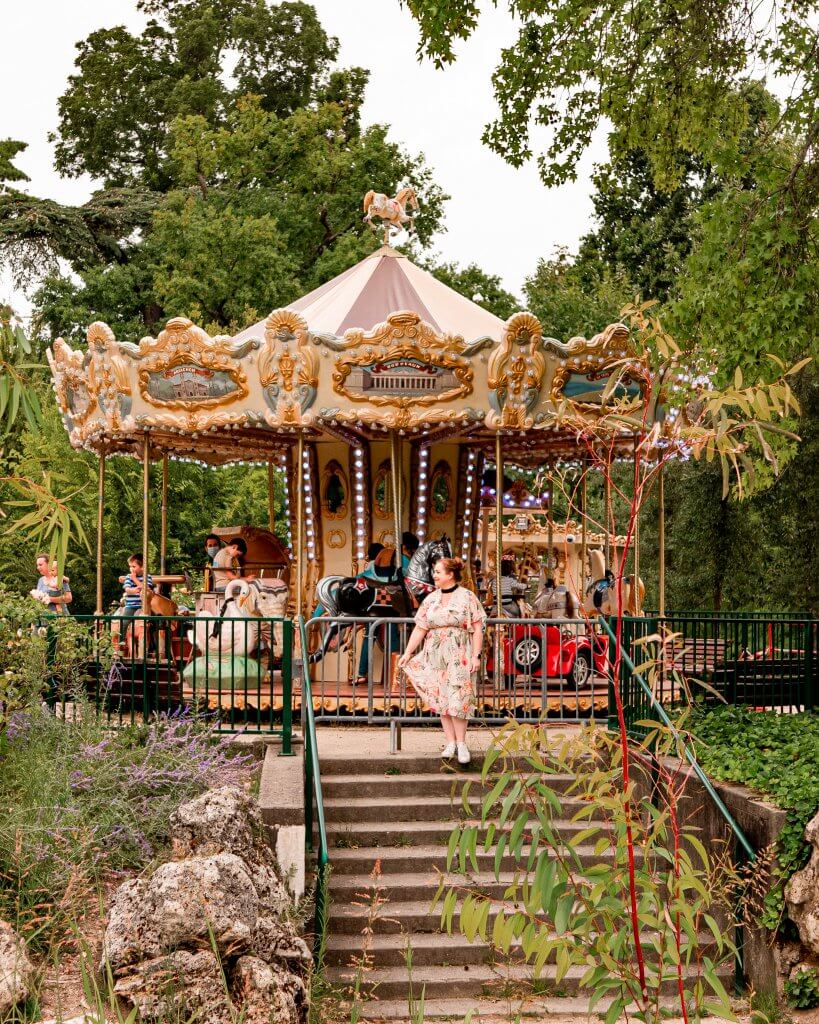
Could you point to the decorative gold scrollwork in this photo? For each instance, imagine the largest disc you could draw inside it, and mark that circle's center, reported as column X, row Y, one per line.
column 402, row 363
column 597, row 359
column 288, row 367
column 515, row 373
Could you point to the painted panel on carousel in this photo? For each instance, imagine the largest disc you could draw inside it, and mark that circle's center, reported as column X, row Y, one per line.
column 185, row 368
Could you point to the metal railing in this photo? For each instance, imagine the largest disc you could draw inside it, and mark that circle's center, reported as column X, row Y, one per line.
column 762, row 660
column 236, row 670
column 530, row 669
column 743, row 849
column 313, row 794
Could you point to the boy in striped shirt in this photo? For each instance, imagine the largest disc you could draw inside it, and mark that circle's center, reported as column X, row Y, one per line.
column 132, row 587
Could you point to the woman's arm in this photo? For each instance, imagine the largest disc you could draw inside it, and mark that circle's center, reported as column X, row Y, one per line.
column 477, row 647
column 415, row 641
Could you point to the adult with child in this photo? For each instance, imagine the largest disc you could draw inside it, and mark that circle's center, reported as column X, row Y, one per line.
column 52, row 590
column 448, row 637
column 227, row 563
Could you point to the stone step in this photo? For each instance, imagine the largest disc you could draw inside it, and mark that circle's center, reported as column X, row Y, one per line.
column 476, row 980
column 406, row 832
column 434, row 948
column 413, row 886
column 566, row 1009
column 412, row 764
column 404, row 784
column 408, row 857
column 389, row 950
column 412, row 808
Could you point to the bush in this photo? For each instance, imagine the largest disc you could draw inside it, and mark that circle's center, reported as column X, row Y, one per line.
column 802, row 991
column 78, row 801
column 778, row 755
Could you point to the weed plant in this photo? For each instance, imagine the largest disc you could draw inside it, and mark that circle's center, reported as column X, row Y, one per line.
column 777, row 755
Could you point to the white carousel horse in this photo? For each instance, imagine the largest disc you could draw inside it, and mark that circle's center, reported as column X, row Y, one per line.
column 231, row 633
column 601, row 593
column 393, row 211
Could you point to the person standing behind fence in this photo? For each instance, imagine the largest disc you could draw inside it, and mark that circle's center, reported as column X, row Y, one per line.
column 57, row 591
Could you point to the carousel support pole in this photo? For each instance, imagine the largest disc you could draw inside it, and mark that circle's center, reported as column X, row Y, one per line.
column 163, row 535
column 100, row 513
column 300, row 567
column 146, row 520
column 498, row 523
column 661, row 537
column 584, row 531
column 550, row 529
column 271, row 496
column 395, row 459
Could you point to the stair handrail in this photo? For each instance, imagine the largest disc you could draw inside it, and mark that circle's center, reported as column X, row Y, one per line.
column 312, row 789
column 740, row 836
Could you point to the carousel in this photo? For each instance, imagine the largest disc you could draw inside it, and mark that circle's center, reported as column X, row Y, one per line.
column 383, row 398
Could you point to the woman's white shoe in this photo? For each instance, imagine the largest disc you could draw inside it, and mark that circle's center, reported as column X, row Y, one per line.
column 448, row 751
column 464, row 756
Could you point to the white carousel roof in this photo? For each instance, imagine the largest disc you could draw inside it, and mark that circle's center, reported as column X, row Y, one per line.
column 380, row 285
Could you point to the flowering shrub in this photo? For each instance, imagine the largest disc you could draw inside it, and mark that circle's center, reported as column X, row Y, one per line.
column 79, row 801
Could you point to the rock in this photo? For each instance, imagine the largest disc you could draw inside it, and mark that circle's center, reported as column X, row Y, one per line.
column 218, row 913
column 16, row 970
column 802, row 892
column 224, row 820
column 187, row 903
column 268, row 993
column 178, row 986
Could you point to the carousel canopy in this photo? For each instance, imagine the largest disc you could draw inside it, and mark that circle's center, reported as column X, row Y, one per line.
column 383, row 346
column 368, row 293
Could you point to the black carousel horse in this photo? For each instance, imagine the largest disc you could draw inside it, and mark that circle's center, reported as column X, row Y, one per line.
column 360, row 597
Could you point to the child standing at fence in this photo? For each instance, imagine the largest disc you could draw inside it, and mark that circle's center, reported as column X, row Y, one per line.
column 132, row 588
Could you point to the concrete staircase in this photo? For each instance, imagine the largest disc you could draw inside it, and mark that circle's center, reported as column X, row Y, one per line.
column 398, row 812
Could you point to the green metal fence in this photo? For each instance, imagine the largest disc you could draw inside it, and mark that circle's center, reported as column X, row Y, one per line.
column 237, row 670
column 766, row 661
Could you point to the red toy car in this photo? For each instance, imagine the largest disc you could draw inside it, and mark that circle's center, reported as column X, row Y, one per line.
column 550, row 652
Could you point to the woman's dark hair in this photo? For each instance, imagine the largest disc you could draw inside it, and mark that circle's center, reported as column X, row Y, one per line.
column 240, row 544
column 454, row 566
column 374, row 550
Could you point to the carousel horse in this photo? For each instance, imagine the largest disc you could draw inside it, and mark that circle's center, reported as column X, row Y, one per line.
column 231, row 634
column 393, row 211
column 360, row 597
column 601, row 593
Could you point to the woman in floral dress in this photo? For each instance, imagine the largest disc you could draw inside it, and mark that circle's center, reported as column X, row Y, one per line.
column 449, row 631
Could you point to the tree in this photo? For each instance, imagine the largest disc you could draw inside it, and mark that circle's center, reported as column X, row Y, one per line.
column 117, row 112
column 474, row 283
column 671, row 79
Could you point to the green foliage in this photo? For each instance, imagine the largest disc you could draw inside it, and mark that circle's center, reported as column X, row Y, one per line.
column 116, row 114
column 565, row 908
column 778, row 755
column 77, row 801
column 476, row 284
column 572, row 299
column 802, row 991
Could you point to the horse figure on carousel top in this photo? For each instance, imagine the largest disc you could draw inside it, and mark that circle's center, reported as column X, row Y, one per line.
column 392, row 212
column 361, row 597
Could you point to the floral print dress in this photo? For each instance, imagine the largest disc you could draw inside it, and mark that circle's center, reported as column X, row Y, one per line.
column 440, row 672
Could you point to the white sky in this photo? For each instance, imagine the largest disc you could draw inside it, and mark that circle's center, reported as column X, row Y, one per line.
column 501, row 218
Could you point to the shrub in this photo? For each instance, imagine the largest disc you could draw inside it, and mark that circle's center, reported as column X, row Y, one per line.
column 78, row 800
column 802, row 990
column 778, row 755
